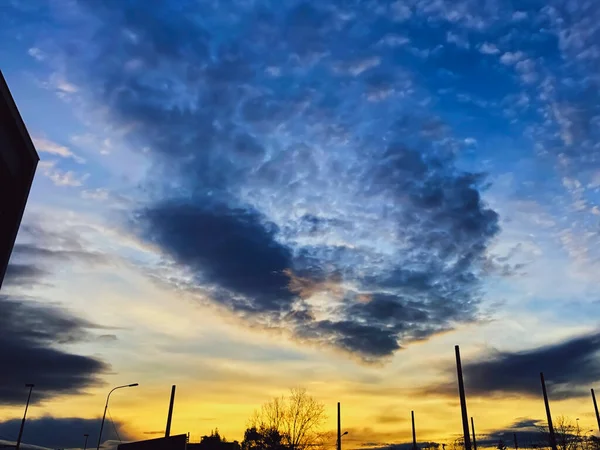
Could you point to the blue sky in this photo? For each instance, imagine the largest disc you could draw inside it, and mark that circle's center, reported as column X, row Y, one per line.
column 331, row 184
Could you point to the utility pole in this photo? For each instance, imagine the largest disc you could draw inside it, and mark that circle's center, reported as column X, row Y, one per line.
column 414, row 433
column 170, row 414
column 596, row 409
column 548, row 415
column 463, row 400
column 18, row 446
column 473, row 430
column 339, row 428
column 85, row 443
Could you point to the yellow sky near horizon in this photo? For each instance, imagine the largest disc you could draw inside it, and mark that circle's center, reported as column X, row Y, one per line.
column 222, row 389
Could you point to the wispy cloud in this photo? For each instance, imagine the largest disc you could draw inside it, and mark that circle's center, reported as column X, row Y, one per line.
column 60, row 177
column 488, row 49
column 44, row 145
column 510, row 58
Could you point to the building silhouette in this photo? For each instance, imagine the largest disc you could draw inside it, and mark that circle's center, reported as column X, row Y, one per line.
column 18, row 161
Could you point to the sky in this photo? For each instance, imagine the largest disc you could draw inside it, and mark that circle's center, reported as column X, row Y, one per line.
column 244, row 196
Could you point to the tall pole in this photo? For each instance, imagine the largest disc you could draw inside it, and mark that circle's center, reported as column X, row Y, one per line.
column 463, row 400
column 473, row 430
column 106, row 407
column 412, row 416
column 515, row 438
column 339, row 428
column 18, row 446
column 85, row 443
column 170, row 414
column 548, row 415
column 596, row 408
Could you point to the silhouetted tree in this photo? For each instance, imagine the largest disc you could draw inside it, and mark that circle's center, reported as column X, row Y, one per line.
column 501, row 445
column 592, row 443
column 264, row 439
column 568, row 435
column 215, row 442
column 297, row 418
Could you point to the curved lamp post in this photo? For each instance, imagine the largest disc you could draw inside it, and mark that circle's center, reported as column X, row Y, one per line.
column 106, row 407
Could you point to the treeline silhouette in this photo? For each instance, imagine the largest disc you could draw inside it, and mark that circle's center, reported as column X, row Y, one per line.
column 254, row 439
column 295, row 422
column 290, row 422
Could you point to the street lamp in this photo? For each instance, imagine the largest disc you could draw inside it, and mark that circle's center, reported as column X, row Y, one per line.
column 86, row 438
column 30, row 386
column 106, row 407
column 336, row 441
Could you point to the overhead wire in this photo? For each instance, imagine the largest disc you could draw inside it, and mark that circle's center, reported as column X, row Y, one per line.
column 114, row 426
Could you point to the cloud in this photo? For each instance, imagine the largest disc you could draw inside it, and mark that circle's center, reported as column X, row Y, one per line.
column 458, row 40
column 22, row 274
column 232, row 248
column 355, row 68
column 55, row 255
column 527, row 69
column 510, row 58
column 519, row 15
column 30, row 332
column 23, row 445
column 488, row 49
column 401, row 11
column 100, row 194
column 264, row 181
column 33, row 331
column 107, row 338
column 43, row 145
column 60, row 177
column 529, row 433
column 403, row 445
column 569, row 367
column 64, row 432
column 38, row 252
column 394, row 40
column 36, row 53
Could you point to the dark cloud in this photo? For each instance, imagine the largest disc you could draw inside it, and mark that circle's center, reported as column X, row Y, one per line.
column 29, row 333
column 273, row 167
column 40, row 251
column 233, row 248
column 402, row 446
column 107, row 338
column 54, row 432
column 23, row 275
column 33, row 330
column 386, row 419
column 529, row 433
column 57, row 255
column 370, row 341
column 569, row 368
column 526, row 423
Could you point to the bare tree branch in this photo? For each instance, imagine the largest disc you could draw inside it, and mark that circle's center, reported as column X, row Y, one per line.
column 297, row 417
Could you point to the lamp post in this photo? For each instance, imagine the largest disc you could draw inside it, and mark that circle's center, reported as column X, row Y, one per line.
column 18, row 446
column 338, row 443
column 85, row 443
column 596, row 409
column 106, row 407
